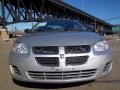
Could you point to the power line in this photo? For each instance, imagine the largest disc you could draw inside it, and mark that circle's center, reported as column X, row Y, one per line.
column 112, row 18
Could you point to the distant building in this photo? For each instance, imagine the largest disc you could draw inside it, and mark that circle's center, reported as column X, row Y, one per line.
column 116, row 28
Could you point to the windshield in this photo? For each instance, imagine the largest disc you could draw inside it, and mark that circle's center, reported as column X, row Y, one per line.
column 57, row 26
column 89, row 28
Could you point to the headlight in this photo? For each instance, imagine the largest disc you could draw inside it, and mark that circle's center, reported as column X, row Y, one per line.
column 101, row 46
column 20, row 48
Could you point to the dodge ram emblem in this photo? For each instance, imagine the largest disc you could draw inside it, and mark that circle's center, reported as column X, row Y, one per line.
column 61, row 56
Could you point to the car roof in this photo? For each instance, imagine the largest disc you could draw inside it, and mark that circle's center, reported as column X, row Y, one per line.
column 57, row 19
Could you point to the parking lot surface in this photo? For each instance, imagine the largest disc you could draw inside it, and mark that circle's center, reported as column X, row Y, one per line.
column 110, row 82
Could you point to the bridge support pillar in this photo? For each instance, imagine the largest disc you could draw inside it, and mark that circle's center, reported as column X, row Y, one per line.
column 4, row 35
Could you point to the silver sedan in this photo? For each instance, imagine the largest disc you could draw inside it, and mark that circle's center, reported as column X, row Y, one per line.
column 59, row 51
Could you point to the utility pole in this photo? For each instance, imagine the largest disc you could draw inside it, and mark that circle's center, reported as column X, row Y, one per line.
column 95, row 26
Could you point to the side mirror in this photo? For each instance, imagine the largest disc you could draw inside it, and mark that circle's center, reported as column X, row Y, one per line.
column 27, row 30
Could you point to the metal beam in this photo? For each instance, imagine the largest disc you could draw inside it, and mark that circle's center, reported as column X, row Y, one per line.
column 34, row 10
column 3, row 14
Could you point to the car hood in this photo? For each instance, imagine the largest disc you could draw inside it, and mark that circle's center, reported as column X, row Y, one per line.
column 60, row 39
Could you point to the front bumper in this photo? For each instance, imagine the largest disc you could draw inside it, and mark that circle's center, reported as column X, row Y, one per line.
column 25, row 68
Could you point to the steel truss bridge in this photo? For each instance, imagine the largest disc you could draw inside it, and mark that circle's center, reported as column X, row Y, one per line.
column 15, row 11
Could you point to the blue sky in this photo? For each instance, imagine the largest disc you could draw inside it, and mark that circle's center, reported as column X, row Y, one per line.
column 103, row 9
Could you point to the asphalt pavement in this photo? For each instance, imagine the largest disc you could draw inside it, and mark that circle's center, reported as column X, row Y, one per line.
column 110, row 82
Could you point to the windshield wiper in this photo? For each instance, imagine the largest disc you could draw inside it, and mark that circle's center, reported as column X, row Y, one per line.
column 71, row 29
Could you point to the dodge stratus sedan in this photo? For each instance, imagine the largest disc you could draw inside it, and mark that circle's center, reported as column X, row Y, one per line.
column 59, row 51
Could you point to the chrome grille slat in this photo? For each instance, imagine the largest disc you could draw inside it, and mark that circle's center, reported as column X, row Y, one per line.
column 89, row 70
column 62, row 74
column 39, row 78
column 87, row 76
column 72, row 76
column 54, row 78
column 87, row 73
column 36, row 74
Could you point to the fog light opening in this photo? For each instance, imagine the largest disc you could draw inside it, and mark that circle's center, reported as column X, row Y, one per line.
column 107, row 67
column 14, row 70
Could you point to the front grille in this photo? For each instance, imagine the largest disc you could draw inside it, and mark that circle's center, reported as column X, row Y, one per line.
column 51, row 55
column 43, row 75
column 48, row 61
column 46, row 50
column 77, row 49
column 79, row 60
